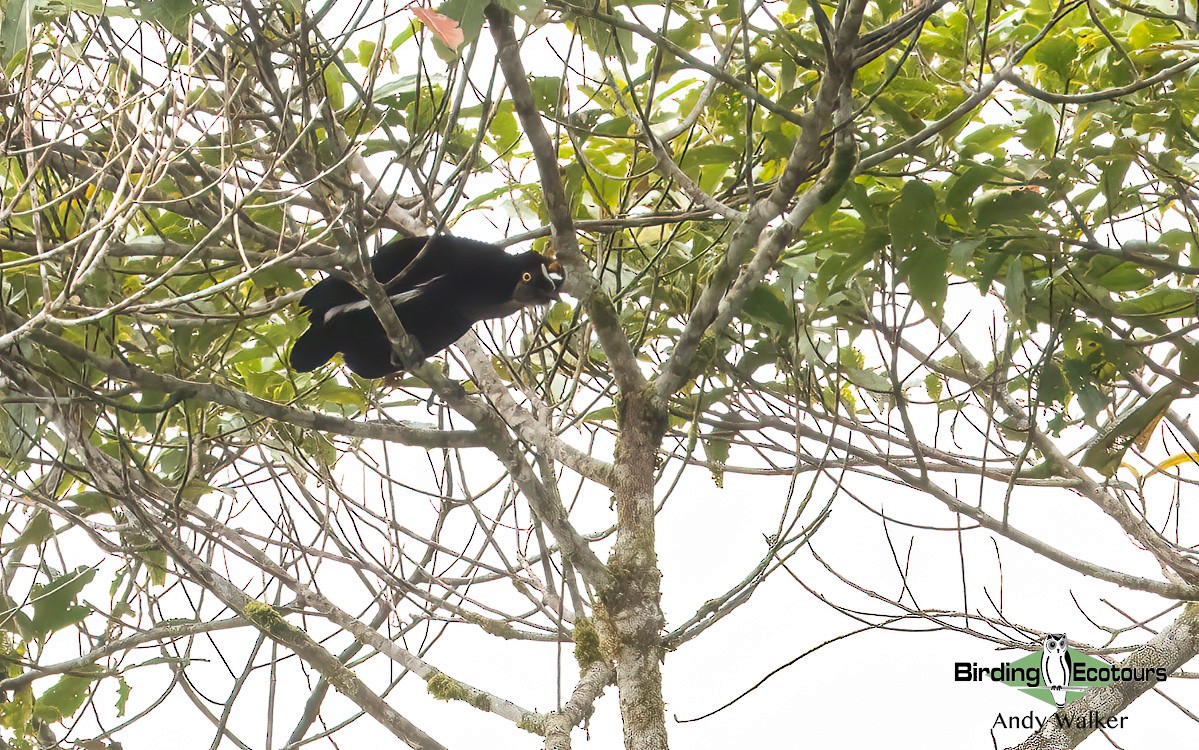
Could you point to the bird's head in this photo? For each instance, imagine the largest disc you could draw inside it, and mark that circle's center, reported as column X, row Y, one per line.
column 540, row 280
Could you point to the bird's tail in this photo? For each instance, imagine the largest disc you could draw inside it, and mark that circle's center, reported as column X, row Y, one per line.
column 1059, row 695
column 314, row 348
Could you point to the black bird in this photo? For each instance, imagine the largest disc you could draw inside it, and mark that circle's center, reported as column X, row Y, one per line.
column 438, row 292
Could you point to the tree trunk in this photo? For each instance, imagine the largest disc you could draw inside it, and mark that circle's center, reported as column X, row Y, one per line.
column 633, row 602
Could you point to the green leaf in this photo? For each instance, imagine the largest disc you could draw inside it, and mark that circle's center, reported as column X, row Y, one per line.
column 64, row 698
column 913, row 218
column 712, row 153
column 403, row 89
column 173, row 15
column 156, row 563
column 1052, row 387
column 870, row 380
column 1017, row 207
column 960, row 254
column 90, row 502
column 933, row 386
column 20, row 429
column 925, row 269
column 1082, row 382
column 1057, row 53
column 123, row 691
column 986, row 139
column 851, row 358
column 605, row 38
column 547, row 92
column 14, row 29
column 1147, row 33
column 334, row 80
column 1015, row 291
column 366, row 52
column 1161, row 302
column 1117, row 275
column 716, row 449
column 902, row 118
column 526, row 9
column 961, row 189
column 766, row 305
column 1188, row 364
column 93, row 7
column 1039, row 132
column 1106, row 453
column 38, row 530
column 505, row 133
column 54, row 606
column 601, row 415
column 16, row 713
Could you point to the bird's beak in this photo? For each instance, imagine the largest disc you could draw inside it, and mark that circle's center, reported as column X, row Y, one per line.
column 553, row 271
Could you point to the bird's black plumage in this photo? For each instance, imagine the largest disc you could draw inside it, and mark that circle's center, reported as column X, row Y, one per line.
column 438, row 294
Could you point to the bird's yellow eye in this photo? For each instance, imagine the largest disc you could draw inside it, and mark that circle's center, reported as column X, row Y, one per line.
column 526, row 277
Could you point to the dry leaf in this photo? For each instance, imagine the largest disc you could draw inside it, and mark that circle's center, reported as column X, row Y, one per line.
column 443, row 27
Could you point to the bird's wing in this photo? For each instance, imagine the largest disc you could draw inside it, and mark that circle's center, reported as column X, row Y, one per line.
column 327, row 294
column 445, row 256
column 391, row 259
column 397, row 299
column 332, row 296
column 434, row 314
column 425, row 287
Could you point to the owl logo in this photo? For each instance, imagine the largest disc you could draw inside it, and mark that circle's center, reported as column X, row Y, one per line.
column 1056, row 667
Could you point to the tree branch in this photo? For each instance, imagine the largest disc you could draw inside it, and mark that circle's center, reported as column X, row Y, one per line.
column 599, row 306
column 1170, row 649
column 404, row 433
